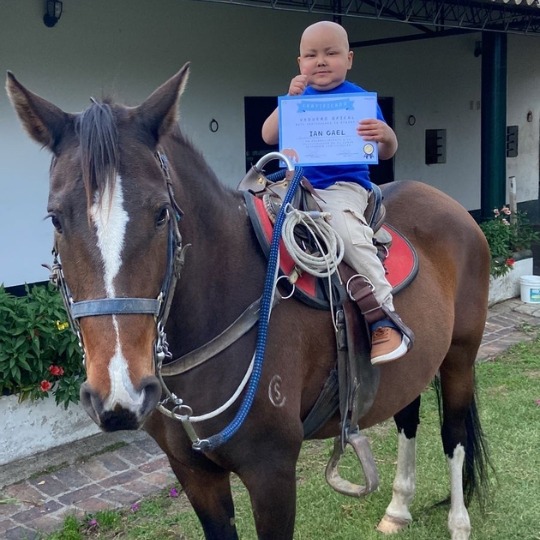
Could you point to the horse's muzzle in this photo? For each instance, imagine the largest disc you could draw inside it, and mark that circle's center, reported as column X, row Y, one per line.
column 120, row 416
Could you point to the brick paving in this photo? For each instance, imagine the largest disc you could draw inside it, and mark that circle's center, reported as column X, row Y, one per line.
column 110, row 480
column 121, row 477
column 508, row 323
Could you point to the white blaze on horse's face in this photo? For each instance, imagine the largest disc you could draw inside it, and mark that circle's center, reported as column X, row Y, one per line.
column 110, row 220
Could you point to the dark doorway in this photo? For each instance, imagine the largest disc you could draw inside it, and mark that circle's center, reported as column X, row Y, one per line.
column 256, row 111
column 383, row 172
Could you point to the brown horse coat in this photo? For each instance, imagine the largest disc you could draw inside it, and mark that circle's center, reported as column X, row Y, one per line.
column 112, row 211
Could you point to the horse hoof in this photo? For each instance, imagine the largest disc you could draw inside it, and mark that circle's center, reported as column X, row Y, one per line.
column 392, row 525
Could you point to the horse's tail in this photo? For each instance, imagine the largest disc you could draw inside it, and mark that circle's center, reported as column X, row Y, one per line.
column 478, row 465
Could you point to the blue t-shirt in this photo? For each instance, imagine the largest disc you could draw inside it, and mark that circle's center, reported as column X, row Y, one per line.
column 322, row 176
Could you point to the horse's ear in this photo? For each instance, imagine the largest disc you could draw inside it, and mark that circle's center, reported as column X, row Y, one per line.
column 43, row 121
column 159, row 112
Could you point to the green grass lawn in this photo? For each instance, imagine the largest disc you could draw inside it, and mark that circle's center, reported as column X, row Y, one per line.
column 509, row 394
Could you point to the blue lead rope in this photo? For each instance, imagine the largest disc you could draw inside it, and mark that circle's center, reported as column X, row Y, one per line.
column 264, row 318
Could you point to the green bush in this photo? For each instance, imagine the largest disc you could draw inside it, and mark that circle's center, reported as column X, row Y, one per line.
column 39, row 355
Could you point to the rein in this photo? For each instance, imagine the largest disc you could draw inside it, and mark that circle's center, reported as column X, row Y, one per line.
column 266, row 307
column 258, row 311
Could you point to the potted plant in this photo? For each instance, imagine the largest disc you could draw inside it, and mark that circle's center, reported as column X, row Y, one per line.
column 41, row 372
column 510, row 237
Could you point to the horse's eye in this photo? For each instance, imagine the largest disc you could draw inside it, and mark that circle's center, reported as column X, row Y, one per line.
column 56, row 222
column 162, row 217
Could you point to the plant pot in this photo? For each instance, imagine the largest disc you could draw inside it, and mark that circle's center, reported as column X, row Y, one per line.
column 508, row 286
column 35, row 426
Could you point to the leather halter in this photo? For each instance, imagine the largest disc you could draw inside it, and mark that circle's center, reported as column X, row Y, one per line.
column 158, row 307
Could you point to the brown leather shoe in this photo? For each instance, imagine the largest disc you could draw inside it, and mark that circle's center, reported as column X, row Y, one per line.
column 387, row 344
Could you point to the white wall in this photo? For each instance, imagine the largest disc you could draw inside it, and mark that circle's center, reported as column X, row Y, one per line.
column 439, row 82
column 126, row 48
column 129, row 47
column 36, row 426
column 433, row 80
column 524, row 96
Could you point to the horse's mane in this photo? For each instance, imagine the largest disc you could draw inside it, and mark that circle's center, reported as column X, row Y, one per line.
column 100, row 155
column 98, row 137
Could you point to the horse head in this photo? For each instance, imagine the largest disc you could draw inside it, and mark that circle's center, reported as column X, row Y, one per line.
column 116, row 235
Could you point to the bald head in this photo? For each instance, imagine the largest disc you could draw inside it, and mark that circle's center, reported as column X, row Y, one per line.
column 324, row 31
column 325, row 56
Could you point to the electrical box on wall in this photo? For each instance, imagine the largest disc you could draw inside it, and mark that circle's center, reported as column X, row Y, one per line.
column 435, row 146
column 512, row 133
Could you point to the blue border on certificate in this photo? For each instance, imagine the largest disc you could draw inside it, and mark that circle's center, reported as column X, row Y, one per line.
column 321, row 129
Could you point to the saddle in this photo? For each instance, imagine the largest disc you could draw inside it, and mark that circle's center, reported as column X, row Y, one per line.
column 263, row 196
column 353, row 383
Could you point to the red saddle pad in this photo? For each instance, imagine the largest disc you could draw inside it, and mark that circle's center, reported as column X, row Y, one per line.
column 401, row 264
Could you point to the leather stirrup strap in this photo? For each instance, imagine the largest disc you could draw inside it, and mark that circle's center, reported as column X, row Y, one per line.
column 361, row 291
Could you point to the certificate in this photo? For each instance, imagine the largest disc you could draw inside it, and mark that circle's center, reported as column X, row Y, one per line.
column 321, row 129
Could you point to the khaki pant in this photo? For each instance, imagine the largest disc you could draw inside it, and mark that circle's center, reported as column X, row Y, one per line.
column 347, row 202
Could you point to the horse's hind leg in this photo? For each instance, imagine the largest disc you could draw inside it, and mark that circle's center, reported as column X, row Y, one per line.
column 209, row 492
column 459, row 523
column 457, row 396
column 463, row 444
column 397, row 515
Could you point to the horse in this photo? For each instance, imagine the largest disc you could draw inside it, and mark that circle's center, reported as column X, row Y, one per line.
column 157, row 257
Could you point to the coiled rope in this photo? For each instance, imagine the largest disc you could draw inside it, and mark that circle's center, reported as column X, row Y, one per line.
column 330, row 247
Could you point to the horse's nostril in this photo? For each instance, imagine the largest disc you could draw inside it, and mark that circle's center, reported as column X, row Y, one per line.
column 91, row 403
column 152, row 393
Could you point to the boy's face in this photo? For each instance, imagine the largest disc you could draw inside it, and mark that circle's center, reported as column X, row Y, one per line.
column 325, row 56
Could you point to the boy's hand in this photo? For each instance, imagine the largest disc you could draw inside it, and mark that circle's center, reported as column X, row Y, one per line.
column 378, row 131
column 270, row 128
column 372, row 129
column 298, row 85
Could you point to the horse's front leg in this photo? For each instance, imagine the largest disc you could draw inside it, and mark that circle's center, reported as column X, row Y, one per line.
column 209, row 492
column 270, row 478
column 397, row 515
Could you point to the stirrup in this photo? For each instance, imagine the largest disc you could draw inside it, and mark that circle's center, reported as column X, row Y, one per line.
column 361, row 446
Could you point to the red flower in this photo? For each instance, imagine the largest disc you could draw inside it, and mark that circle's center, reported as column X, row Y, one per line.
column 57, row 371
column 45, row 386
column 510, row 262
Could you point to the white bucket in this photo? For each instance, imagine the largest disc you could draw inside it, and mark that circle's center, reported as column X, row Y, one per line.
column 530, row 289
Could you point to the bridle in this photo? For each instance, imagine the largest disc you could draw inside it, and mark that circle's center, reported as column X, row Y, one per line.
column 159, row 307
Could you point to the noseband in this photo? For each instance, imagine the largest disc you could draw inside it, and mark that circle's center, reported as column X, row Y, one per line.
column 158, row 307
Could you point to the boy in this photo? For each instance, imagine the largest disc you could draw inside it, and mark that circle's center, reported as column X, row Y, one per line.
column 324, row 60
